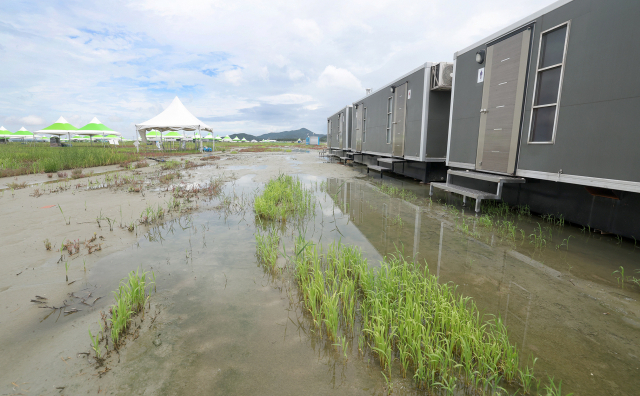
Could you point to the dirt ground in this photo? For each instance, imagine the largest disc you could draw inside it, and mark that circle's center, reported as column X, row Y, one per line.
column 59, row 211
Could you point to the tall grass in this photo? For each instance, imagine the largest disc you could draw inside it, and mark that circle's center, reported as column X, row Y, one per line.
column 407, row 320
column 267, row 247
column 283, row 198
column 39, row 159
column 130, row 297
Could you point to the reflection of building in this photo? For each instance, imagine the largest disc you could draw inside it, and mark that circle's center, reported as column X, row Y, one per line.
column 483, row 271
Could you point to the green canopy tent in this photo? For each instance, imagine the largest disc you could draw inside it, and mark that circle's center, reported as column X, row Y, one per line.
column 5, row 134
column 79, row 138
column 23, row 133
column 235, row 139
column 173, row 135
column 59, row 128
column 153, row 135
column 244, row 140
column 96, row 128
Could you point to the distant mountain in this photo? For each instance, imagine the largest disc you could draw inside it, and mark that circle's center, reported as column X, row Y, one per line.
column 301, row 133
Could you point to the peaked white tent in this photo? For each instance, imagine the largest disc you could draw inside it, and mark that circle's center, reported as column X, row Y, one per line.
column 176, row 117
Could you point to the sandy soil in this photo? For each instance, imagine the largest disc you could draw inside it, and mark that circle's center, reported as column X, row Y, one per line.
column 29, row 270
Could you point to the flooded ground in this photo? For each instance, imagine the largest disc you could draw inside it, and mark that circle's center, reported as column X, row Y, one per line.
column 222, row 325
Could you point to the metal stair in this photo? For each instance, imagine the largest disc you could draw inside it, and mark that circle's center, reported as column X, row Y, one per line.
column 478, row 195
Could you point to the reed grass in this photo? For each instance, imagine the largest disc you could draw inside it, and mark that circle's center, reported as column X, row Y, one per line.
column 130, row 299
column 403, row 315
column 283, row 198
column 267, row 247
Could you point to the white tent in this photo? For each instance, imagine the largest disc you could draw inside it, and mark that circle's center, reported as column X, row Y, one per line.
column 176, row 117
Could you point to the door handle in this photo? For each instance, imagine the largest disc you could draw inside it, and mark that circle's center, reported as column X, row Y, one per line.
column 484, row 111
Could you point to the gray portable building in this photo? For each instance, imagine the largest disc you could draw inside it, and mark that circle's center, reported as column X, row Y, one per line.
column 339, row 130
column 544, row 113
column 402, row 126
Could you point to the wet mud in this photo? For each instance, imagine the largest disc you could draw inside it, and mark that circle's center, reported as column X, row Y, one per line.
column 223, row 325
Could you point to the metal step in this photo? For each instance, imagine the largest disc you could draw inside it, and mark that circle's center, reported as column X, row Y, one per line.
column 465, row 192
column 378, row 168
column 486, row 176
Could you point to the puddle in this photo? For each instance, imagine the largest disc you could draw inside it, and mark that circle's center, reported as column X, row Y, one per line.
column 230, row 328
column 240, row 167
column 561, row 305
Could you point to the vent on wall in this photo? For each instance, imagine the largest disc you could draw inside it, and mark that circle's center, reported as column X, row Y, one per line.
column 441, row 76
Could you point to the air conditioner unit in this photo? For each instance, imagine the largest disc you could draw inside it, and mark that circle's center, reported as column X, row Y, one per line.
column 441, row 76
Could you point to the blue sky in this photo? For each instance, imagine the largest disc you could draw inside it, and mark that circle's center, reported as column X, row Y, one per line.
column 240, row 66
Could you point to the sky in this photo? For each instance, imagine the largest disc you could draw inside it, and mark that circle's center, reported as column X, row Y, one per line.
column 240, row 66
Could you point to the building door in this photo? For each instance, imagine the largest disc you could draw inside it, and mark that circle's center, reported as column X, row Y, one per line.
column 329, row 134
column 359, row 128
column 340, row 129
column 502, row 96
column 399, row 116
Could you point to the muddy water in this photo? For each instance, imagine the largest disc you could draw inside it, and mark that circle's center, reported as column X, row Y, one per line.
column 227, row 327
column 560, row 301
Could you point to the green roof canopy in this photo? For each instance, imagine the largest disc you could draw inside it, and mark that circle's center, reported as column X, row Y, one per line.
column 60, row 127
column 23, row 133
column 5, row 133
column 95, row 127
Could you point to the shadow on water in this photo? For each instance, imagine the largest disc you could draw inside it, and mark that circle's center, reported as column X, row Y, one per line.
column 229, row 327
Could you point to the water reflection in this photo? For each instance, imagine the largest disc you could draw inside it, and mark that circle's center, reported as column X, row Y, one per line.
column 561, row 305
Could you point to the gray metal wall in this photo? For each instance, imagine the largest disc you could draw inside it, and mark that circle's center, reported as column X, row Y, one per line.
column 376, row 105
column 332, row 141
column 597, row 132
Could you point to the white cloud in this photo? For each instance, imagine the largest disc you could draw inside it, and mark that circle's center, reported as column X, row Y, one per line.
column 295, row 74
column 234, row 76
column 28, row 120
column 32, row 120
column 339, row 78
column 123, row 61
column 308, row 29
column 288, row 98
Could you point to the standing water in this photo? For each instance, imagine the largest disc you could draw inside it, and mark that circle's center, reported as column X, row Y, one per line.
column 222, row 324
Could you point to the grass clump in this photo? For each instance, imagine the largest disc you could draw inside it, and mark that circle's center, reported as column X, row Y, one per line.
column 284, row 197
column 267, row 247
column 16, row 185
column 170, row 165
column 404, row 315
column 130, row 297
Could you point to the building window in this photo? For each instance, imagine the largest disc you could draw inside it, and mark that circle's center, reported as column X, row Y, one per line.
column 364, row 124
column 329, row 132
column 549, row 74
column 389, row 118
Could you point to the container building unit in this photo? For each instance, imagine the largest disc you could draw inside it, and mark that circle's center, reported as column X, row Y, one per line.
column 402, row 126
column 545, row 113
column 339, row 130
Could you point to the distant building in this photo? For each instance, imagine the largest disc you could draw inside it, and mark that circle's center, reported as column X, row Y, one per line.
column 313, row 140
